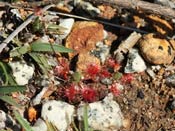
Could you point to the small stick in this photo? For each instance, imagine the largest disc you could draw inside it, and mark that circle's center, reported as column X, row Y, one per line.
column 100, row 21
column 140, row 5
column 20, row 28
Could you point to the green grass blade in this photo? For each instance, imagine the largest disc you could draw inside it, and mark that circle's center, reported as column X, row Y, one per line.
column 23, row 122
column 41, row 60
column 50, row 126
column 4, row 72
column 10, row 89
column 85, row 117
column 47, row 47
column 9, row 100
column 18, row 51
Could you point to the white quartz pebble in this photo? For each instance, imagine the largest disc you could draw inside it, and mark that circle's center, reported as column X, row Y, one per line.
column 103, row 115
column 135, row 63
column 59, row 113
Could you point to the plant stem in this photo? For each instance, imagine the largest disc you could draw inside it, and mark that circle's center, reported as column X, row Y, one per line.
column 85, row 116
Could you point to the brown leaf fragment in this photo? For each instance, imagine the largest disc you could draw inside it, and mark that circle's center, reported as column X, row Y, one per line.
column 140, row 22
column 162, row 26
column 32, row 113
column 84, row 37
column 107, row 11
column 110, row 38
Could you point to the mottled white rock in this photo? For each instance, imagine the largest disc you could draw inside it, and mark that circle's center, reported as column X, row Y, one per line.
column 40, row 125
column 37, row 99
column 135, row 63
column 103, row 115
column 21, row 71
column 101, row 51
column 87, row 6
column 58, row 113
column 67, row 24
column 2, row 119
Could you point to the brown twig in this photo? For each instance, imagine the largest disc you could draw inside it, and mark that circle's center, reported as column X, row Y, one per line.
column 100, row 21
column 138, row 5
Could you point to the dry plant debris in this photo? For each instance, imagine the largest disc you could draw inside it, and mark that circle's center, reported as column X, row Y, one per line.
column 102, row 65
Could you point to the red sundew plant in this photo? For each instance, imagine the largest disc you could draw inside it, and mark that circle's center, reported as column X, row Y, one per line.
column 93, row 70
column 71, row 92
column 89, row 94
column 110, row 62
column 62, row 69
column 38, row 11
column 104, row 73
column 127, row 78
column 114, row 90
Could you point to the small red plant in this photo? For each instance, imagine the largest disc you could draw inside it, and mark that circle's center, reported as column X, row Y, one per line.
column 71, row 92
column 89, row 94
column 38, row 11
column 62, row 69
column 93, row 70
column 127, row 78
column 104, row 73
column 114, row 90
column 110, row 62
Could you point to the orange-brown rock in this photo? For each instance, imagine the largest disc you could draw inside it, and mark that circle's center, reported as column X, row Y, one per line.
column 107, row 12
column 156, row 50
column 85, row 59
column 84, row 37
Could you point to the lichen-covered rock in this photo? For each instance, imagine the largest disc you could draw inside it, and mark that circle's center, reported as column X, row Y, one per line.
column 103, row 115
column 156, row 50
column 135, row 63
column 59, row 113
column 21, row 71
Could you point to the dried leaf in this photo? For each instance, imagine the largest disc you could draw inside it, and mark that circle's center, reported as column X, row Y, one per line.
column 32, row 114
column 18, row 51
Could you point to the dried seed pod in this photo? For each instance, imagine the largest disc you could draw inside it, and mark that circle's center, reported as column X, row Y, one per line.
column 156, row 50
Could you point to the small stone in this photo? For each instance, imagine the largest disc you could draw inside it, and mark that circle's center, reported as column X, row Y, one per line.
column 67, row 24
column 59, row 113
column 135, row 63
column 101, row 51
column 86, row 59
column 103, row 115
column 156, row 50
column 127, row 123
column 170, row 80
column 40, row 125
column 140, row 94
column 6, row 121
column 21, row 71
